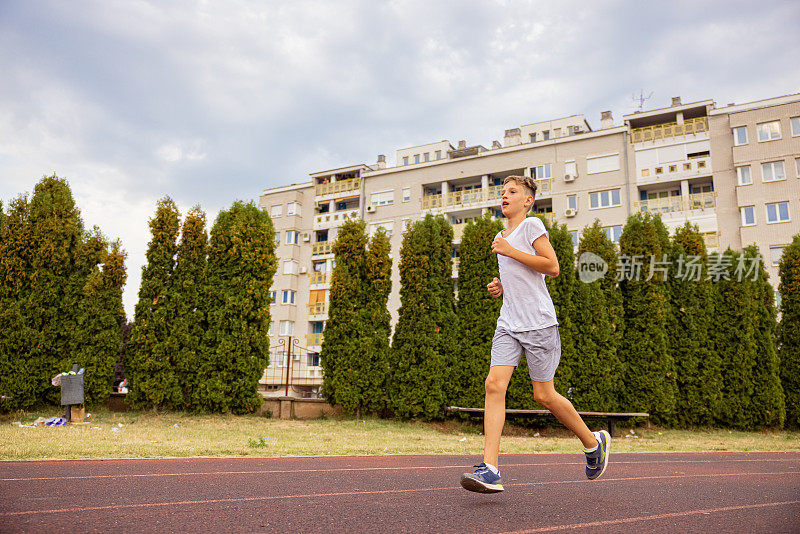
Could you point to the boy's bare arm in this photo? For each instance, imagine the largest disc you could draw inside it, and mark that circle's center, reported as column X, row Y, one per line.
column 545, row 262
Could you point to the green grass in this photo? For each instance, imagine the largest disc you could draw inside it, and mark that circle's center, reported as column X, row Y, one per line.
column 148, row 435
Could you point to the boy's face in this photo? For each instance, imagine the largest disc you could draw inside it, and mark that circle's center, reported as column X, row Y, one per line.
column 515, row 199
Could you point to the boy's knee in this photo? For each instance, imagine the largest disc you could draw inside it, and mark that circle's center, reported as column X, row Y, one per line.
column 493, row 385
column 544, row 397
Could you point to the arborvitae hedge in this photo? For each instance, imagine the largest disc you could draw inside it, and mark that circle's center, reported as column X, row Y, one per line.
column 769, row 408
column 649, row 370
column 49, row 272
column 789, row 330
column 241, row 265
column 477, row 311
column 16, row 248
column 355, row 344
column 152, row 349
column 419, row 362
column 691, row 326
column 187, row 289
column 597, row 373
column 57, row 277
column 98, row 338
column 734, row 336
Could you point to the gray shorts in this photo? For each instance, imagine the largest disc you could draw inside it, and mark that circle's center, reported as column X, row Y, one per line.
column 542, row 350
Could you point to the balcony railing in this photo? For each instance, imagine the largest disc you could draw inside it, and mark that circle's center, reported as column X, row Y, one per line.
column 320, row 277
column 336, row 216
column 547, row 215
column 322, row 247
column 319, row 308
column 470, row 197
column 695, row 201
column 670, row 129
column 711, row 239
column 337, row 187
column 314, row 340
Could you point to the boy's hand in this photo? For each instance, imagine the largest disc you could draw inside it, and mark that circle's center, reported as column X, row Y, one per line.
column 495, row 287
column 501, row 246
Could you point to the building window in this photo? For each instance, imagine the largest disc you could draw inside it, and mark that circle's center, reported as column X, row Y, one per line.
column 438, row 154
column 795, row 126
column 292, row 237
column 276, row 211
column 277, row 238
column 740, row 136
column 271, row 327
column 313, row 360
column 613, row 233
column 290, row 267
column 797, row 166
column 574, row 234
column 273, row 296
column 386, row 225
column 775, row 253
column 609, row 162
column 406, row 194
column 772, row 171
column 674, row 168
column 748, row 215
column 416, row 158
column 743, row 175
column 604, row 199
column 645, row 172
column 572, row 202
column 777, row 212
column 382, row 198
column 405, row 160
column 541, row 172
column 404, row 223
column 546, row 135
column 287, row 328
column 293, row 208
column 769, row 131
column 532, row 137
column 426, row 157
column 288, row 296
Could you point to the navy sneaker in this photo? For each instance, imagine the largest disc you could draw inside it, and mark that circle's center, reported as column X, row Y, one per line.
column 483, row 480
column 597, row 460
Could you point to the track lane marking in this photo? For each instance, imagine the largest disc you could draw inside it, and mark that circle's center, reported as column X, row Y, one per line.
column 371, row 492
column 626, row 520
column 395, row 468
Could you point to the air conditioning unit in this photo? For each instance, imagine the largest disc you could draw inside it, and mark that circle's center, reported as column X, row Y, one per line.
column 303, row 270
column 569, row 177
column 570, row 212
column 306, row 237
column 370, row 209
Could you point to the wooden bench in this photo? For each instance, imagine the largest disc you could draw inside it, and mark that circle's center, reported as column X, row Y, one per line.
column 610, row 417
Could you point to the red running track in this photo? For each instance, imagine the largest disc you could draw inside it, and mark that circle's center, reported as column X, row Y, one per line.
column 677, row 492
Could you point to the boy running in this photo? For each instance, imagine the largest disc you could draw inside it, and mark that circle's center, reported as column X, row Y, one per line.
column 528, row 324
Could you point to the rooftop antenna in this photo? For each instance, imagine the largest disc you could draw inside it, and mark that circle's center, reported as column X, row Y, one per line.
column 640, row 99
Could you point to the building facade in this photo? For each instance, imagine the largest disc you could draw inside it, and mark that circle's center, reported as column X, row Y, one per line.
column 734, row 171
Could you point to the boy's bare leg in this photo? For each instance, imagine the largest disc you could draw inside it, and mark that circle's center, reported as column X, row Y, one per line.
column 494, row 415
column 545, row 394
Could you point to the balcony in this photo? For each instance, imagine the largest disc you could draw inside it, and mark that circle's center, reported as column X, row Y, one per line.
column 546, row 215
column 480, row 197
column 674, row 204
column 669, row 130
column 320, row 278
column 679, row 170
column 320, row 308
column 314, row 340
column 711, row 239
column 342, row 186
column 331, row 220
column 322, row 247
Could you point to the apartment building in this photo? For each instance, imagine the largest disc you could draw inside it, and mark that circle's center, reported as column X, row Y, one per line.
column 733, row 171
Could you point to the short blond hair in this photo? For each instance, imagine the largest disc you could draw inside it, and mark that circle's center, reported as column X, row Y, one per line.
column 527, row 183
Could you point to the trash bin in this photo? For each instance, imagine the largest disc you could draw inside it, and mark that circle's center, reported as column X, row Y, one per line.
column 71, row 390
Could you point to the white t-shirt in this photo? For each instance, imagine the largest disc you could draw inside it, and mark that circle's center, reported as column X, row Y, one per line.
column 526, row 302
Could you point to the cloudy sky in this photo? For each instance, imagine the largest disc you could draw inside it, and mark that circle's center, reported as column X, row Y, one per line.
column 209, row 102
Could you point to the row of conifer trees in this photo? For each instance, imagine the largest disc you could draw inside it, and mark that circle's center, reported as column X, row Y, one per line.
column 699, row 350
column 60, row 298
